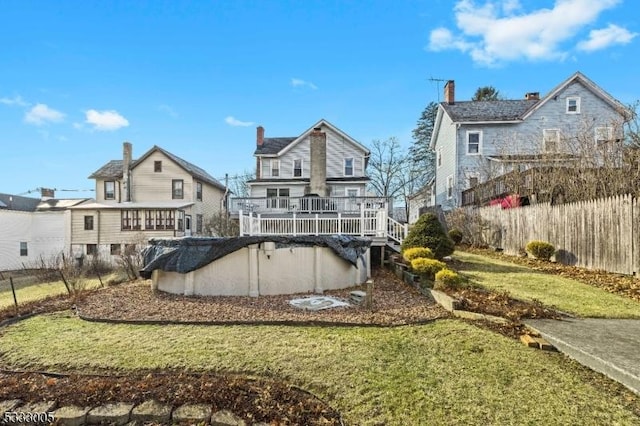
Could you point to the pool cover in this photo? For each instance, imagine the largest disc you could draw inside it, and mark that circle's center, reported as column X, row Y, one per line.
column 190, row 253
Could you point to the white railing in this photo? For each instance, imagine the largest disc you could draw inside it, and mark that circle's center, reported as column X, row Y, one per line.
column 307, row 204
column 370, row 223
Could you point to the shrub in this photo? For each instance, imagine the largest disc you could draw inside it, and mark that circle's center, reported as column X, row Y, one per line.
column 428, row 232
column 540, row 249
column 416, row 252
column 446, row 278
column 456, row 236
column 427, row 267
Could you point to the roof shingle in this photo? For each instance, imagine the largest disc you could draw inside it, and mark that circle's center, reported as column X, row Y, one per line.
column 502, row 110
column 273, row 145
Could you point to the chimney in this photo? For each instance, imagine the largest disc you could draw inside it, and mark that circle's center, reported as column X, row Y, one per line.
column 47, row 194
column 532, row 96
column 318, row 169
column 126, row 170
column 450, row 92
column 259, row 135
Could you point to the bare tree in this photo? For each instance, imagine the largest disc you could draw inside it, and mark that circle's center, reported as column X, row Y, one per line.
column 239, row 183
column 387, row 164
column 221, row 225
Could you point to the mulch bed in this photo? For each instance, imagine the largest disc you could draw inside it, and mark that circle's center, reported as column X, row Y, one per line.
column 50, row 304
column 393, row 304
column 255, row 400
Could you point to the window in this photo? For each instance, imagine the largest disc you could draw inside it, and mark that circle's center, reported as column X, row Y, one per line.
column 275, row 168
column 573, row 105
column 473, row 181
column 348, row 166
column 297, row 168
column 115, row 249
column 439, row 159
column 171, row 219
column 180, row 220
column 160, row 219
column 135, row 220
column 129, row 249
column 199, row 191
column 88, row 223
column 450, row 186
column 277, row 198
column 92, row 249
column 474, row 142
column 551, row 140
column 126, row 219
column 198, row 224
column 109, row 190
column 603, row 135
column 157, row 166
column 149, row 219
column 177, row 186
column 23, row 249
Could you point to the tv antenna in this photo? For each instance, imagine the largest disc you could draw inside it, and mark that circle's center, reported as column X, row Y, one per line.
column 438, row 81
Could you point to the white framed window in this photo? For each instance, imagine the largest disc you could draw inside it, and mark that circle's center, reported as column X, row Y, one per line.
column 603, row 135
column 109, row 190
column 352, row 192
column 439, row 158
column 297, row 167
column 275, row 168
column 550, row 140
column 474, row 142
column 450, row 186
column 573, row 105
column 348, row 166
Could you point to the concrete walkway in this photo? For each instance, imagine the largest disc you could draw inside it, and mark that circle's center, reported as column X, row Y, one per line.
column 609, row 346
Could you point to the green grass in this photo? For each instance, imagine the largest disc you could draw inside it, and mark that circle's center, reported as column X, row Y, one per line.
column 29, row 293
column 562, row 293
column 446, row 372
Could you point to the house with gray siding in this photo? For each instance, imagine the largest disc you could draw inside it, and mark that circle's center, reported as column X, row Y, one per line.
column 476, row 141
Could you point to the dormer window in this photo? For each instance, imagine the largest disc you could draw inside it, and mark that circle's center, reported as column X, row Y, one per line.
column 348, row 166
column 573, row 105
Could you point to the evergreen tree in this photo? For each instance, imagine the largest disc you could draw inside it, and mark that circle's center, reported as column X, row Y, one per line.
column 421, row 155
column 486, row 93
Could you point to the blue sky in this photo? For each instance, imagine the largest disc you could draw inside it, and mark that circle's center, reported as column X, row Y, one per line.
column 79, row 78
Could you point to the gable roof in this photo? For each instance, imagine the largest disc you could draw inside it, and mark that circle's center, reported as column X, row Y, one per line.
column 113, row 169
column 17, row 202
column 481, row 111
column 590, row 85
column 278, row 146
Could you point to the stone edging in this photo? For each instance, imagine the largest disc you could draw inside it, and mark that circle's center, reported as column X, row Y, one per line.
column 452, row 305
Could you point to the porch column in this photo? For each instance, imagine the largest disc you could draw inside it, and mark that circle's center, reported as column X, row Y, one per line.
column 241, row 230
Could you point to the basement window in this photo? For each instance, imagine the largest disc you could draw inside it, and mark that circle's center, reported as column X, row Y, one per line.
column 92, row 249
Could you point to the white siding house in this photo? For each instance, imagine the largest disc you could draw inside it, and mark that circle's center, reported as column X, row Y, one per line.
column 33, row 230
column 157, row 195
column 476, row 141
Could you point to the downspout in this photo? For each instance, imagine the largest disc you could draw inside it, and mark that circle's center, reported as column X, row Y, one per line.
column 455, row 175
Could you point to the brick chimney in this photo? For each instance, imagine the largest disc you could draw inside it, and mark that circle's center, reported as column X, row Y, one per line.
column 450, row 92
column 259, row 135
column 532, row 96
column 318, row 169
column 126, row 171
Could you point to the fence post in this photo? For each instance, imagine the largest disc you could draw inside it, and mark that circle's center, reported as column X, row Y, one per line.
column 64, row 280
column 259, row 223
column 15, row 299
column 362, row 219
column 241, row 230
column 295, row 232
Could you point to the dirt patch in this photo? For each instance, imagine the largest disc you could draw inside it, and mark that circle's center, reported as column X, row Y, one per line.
column 394, row 303
column 255, row 400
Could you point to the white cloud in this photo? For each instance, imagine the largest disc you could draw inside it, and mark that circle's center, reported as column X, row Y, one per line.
column 231, row 121
column 168, row 110
column 603, row 38
column 499, row 31
column 16, row 100
column 41, row 114
column 296, row 82
column 105, row 120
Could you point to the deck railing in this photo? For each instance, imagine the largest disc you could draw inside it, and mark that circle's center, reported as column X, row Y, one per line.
column 308, row 204
column 370, row 223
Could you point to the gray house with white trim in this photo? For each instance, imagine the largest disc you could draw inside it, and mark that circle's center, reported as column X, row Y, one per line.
column 476, row 141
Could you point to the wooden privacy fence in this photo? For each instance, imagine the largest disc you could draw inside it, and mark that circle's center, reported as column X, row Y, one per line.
column 599, row 234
